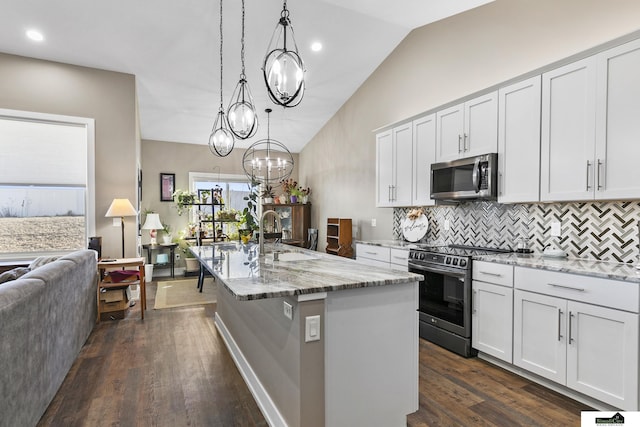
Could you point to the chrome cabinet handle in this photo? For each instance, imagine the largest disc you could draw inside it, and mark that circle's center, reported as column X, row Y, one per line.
column 559, row 322
column 566, row 287
column 588, row 166
column 599, row 187
column 500, row 181
column 473, row 302
column 488, row 273
column 459, row 141
column 466, row 138
column 570, row 337
column 389, row 194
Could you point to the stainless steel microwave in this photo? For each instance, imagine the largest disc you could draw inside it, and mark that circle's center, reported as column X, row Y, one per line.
column 465, row 179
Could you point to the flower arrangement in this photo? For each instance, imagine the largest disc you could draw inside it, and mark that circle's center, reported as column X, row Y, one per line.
column 290, row 187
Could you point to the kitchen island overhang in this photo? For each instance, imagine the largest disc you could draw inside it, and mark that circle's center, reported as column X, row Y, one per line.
column 349, row 353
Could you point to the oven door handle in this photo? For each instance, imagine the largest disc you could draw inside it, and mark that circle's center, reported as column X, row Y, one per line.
column 419, row 269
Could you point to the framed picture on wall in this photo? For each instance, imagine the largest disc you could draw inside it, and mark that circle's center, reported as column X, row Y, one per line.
column 167, row 186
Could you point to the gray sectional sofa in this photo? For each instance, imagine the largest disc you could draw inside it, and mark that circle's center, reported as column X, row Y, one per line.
column 46, row 316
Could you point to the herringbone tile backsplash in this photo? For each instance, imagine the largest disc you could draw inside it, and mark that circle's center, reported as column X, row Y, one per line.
column 606, row 231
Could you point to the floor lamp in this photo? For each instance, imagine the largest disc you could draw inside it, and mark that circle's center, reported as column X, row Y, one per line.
column 121, row 208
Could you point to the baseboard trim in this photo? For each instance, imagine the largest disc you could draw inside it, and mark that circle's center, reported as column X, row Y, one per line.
column 596, row 404
column 262, row 398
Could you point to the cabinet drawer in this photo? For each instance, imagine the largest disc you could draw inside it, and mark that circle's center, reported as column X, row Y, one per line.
column 400, row 257
column 499, row 274
column 378, row 253
column 593, row 290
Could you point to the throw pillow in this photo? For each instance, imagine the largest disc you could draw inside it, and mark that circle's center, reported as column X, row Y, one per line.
column 14, row 274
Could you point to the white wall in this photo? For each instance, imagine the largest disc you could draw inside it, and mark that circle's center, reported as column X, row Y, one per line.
column 437, row 64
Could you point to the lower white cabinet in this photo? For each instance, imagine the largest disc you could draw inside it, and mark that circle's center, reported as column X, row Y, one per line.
column 586, row 347
column 492, row 309
column 492, row 320
column 380, row 256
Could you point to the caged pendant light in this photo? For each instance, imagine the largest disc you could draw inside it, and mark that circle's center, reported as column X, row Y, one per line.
column 283, row 68
column 221, row 139
column 268, row 161
column 241, row 114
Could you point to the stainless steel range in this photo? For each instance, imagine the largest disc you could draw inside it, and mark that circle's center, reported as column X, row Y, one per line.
column 444, row 309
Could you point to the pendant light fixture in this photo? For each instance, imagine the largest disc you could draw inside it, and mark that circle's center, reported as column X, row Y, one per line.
column 221, row 139
column 268, row 161
column 283, row 68
column 241, row 114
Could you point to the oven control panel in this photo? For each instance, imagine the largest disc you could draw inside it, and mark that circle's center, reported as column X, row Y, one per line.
column 424, row 257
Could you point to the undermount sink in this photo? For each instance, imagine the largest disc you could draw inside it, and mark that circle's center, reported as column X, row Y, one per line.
column 293, row 256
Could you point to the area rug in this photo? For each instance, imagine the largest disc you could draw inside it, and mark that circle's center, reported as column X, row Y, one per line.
column 184, row 292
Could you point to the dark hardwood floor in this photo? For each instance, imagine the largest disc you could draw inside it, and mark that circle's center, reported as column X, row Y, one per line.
column 172, row 369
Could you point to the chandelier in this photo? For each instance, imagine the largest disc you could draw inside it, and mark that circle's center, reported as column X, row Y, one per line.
column 268, row 161
column 283, row 68
column 221, row 139
column 241, row 114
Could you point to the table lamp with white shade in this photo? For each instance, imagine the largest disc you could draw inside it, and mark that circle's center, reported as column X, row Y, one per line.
column 121, row 208
column 153, row 224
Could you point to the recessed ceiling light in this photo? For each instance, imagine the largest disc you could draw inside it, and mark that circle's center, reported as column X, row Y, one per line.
column 35, row 35
column 316, row 46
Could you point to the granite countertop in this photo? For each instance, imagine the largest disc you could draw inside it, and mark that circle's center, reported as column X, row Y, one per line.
column 606, row 270
column 298, row 271
column 396, row 244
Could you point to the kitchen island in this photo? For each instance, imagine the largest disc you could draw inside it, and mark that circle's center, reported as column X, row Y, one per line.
column 319, row 339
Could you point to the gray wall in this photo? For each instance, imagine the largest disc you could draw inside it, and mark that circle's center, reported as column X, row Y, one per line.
column 109, row 98
column 437, row 64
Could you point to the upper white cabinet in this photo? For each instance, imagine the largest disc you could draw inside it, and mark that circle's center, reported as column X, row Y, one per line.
column 394, row 171
column 568, row 132
column 519, row 142
column 424, row 154
column 590, row 128
column 617, row 173
column 467, row 129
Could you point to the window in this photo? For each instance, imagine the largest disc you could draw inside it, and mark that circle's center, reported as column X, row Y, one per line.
column 46, row 184
column 234, row 189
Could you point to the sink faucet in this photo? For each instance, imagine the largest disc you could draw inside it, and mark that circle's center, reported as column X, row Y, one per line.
column 261, row 237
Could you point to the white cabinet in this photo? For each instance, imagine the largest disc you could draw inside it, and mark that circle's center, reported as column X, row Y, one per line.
column 424, row 154
column 394, row 172
column 380, row 256
column 373, row 255
column 519, row 142
column 617, row 175
column 564, row 332
column 492, row 309
column 568, row 132
column 590, row 128
column 467, row 129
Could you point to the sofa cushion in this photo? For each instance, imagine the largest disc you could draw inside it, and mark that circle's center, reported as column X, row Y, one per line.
column 42, row 260
column 10, row 275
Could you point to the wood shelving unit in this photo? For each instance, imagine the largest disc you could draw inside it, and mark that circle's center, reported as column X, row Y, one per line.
column 339, row 237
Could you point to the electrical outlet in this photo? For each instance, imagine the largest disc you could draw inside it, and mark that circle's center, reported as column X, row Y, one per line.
column 177, row 257
column 556, row 229
column 447, row 225
column 373, row 222
column 288, row 310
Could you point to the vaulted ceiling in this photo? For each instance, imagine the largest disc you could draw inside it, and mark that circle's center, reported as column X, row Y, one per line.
column 172, row 47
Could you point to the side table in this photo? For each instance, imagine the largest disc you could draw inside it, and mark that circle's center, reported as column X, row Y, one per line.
column 159, row 247
column 105, row 282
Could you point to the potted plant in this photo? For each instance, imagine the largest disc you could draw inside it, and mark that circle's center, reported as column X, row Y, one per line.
column 291, row 189
column 166, row 237
column 267, row 194
column 305, row 195
column 204, row 196
column 183, row 199
column 191, row 263
column 249, row 217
